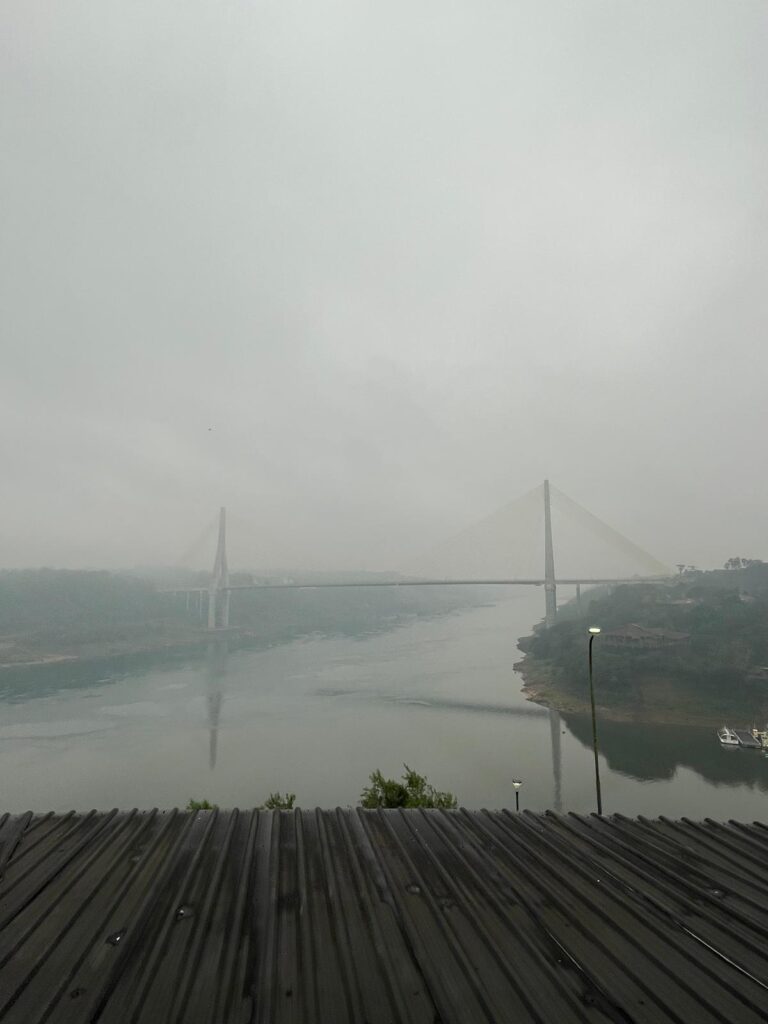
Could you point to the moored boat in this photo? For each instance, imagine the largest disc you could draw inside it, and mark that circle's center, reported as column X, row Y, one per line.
column 728, row 737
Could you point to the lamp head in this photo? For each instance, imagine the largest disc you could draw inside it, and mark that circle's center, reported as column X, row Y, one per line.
column 517, row 783
column 594, row 630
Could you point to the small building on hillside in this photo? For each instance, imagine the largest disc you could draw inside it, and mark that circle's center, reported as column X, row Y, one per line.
column 642, row 637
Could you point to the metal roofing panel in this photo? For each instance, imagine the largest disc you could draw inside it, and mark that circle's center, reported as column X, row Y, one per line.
column 381, row 916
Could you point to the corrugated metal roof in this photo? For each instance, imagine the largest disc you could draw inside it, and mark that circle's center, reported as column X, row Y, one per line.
column 381, row 916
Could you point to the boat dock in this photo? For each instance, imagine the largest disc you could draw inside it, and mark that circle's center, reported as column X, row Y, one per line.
column 746, row 739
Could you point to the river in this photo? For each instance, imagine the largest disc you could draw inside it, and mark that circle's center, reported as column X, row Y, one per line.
column 317, row 714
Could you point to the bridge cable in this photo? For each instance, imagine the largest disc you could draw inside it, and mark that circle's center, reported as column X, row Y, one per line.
column 608, row 534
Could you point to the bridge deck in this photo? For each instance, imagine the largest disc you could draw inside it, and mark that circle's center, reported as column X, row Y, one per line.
column 450, row 583
column 583, row 581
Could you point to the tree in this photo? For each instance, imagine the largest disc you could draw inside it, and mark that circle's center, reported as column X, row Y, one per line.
column 413, row 791
column 742, row 563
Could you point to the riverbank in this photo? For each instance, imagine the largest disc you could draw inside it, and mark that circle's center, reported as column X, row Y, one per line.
column 36, row 652
column 689, row 651
column 542, row 686
column 64, row 618
column 316, row 716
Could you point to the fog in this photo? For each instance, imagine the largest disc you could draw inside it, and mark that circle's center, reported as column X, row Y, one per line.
column 363, row 273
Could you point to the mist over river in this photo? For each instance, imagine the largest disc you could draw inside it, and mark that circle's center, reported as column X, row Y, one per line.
column 315, row 715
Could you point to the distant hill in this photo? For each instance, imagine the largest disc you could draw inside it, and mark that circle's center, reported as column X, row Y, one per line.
column 50, row 616
column 33, row 599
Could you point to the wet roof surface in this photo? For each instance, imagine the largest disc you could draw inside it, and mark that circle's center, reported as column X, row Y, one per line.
column 369, row 916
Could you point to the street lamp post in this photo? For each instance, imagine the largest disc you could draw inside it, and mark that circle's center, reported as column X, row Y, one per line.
column 593, row 631
column 517, row 783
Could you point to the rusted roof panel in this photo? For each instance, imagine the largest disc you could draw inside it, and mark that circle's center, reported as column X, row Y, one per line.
column 381, row 917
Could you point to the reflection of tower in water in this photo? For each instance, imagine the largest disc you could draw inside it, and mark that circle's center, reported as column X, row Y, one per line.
column 557, row 762
column 215, row 671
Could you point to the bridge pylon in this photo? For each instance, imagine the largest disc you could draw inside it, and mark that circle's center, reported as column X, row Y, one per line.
column 550, row 586
column 218, row 592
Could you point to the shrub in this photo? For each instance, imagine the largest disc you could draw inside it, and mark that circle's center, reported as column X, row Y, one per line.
column 413, row 791
column 200, row 805
column 278, row 802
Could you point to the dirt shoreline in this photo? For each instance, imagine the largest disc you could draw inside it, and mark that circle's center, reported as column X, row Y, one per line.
column 50, row 659
column 107, row 651
column 540, row 687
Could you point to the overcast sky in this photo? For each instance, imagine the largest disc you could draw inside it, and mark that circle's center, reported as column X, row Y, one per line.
column 364, row 272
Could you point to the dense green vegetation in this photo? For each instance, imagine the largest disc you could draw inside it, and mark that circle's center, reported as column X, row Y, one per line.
column 720, row 668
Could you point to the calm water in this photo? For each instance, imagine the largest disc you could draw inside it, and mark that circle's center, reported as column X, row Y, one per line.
column 315, row 716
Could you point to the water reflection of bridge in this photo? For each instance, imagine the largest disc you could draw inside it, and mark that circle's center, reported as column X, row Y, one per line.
column 214, row 601
column 216, row 671
column 532, row 711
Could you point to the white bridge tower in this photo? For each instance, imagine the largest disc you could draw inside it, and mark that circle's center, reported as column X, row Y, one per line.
column 550, row 585
column 218, row 591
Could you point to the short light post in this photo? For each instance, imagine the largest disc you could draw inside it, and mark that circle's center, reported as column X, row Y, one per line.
column 593, row 632
column 517, row 783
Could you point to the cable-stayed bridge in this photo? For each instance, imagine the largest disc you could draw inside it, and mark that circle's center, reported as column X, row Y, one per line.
column 462, row 560
column 476, row 546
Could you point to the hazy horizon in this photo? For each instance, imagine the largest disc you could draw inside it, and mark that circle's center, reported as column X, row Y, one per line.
column 365, row 273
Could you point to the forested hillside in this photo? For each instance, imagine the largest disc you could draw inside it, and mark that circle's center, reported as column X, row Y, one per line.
column 714, row 657
column 49, row 615
column 63, row 599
